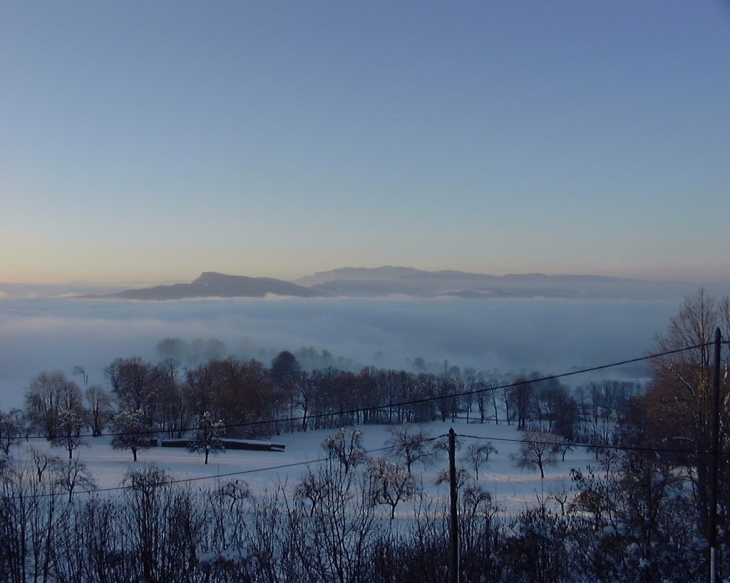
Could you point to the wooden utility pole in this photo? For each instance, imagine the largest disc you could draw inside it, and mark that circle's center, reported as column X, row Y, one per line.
column 715, row 457
column 454, row 530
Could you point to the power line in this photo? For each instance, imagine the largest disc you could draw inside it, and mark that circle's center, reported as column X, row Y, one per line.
column 231, row 474
column 381, row 449
column 431, row 398
column 593, row 446
column 170, row 482
column 411, row 402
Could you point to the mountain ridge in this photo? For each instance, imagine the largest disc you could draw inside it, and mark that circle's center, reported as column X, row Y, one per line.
column 363, row 282
column 215, row 285
column 389, row 280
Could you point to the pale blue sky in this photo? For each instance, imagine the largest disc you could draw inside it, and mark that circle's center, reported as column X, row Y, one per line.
column 155, row 140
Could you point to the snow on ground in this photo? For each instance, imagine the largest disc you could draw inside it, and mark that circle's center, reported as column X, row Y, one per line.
column 512, row 489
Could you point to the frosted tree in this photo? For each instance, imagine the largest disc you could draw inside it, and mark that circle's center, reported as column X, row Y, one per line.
column 346, row 446
column 68, row 431
column 207, row 436
column 390, row 483
column 131, row 432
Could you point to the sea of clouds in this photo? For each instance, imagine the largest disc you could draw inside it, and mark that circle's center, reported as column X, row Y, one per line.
column 552, row 336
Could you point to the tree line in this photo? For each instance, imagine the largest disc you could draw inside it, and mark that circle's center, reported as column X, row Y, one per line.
column 247, row 399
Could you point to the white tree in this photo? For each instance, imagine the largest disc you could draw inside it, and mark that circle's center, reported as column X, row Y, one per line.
column 131, row 432
column 68, row 431
column 346, row 446
column 207, row 436
column 390, row 483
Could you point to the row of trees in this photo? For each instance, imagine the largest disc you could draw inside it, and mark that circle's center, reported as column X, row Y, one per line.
column 252, row 400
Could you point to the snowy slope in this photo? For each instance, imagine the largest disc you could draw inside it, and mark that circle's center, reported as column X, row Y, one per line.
column 511, row 488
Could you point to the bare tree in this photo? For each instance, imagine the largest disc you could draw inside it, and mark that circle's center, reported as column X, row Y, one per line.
column 410, row 445
column 134, row 385
column 444, row 477
column 73, row 475
column 98, row 404
column 563, row 446
column 31, row 523
column 173, row 410
column 233, row 491
column 679, row 400
column 47, row 395
column 42, row 462
column 331, row 538
column 164, row 526
column 9, row 432
column 537, row 451
column 81, row 371
column 521, row 397
column 285, row 375
column 561, row 496
column 477, row 455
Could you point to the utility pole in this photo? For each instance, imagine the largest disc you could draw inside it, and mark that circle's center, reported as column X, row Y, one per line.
column 715, row 458
column 454, row 530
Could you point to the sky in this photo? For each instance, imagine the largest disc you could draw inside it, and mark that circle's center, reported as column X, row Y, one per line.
column 151, row 141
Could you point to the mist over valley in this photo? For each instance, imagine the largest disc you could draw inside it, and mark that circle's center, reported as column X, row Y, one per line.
column 510, row 335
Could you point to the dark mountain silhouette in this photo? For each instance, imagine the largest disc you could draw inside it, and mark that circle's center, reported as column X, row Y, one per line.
column 384, row 281
column 217, row 285
column 411, row 282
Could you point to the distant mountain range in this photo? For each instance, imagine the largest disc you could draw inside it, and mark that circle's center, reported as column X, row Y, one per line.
column 411, row 282
column 383, row 281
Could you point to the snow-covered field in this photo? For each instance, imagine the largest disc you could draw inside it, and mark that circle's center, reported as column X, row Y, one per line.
column 512, row 489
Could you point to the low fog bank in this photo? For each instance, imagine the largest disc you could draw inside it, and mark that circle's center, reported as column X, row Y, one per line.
column 552, row 336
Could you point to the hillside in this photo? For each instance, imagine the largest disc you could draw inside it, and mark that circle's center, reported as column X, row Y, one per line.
column 210, row 285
